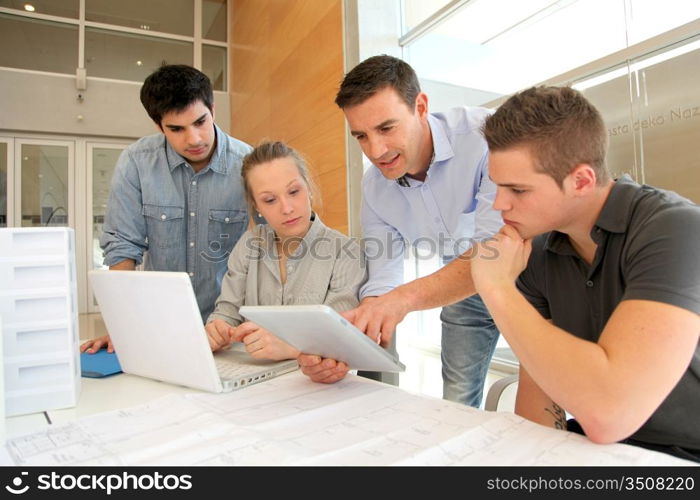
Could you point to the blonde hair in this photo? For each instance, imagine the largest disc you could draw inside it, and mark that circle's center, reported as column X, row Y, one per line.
column 268, row 151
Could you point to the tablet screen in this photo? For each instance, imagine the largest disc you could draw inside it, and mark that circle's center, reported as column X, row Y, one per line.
column 318, row 329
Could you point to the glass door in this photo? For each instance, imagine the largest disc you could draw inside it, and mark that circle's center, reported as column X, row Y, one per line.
column 6, row 146
column 44, row 183
column 101, row 160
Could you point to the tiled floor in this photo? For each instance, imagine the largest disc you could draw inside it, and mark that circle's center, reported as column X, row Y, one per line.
column 423, row 371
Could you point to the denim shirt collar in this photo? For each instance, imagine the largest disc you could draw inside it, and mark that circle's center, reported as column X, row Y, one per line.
column 216, row 162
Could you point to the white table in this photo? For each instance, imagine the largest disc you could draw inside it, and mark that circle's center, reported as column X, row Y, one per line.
column 129, row 420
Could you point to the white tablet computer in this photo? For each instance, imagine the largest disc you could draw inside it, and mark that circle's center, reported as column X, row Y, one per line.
column 318, row 329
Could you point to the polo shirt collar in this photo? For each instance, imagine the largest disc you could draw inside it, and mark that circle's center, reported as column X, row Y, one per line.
column 616, row 211
column 613, row 218
column 216, row 163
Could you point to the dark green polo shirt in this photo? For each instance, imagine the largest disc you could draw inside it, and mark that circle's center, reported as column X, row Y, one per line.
column 648, row 249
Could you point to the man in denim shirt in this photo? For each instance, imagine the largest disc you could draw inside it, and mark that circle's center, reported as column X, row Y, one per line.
column 176, row 202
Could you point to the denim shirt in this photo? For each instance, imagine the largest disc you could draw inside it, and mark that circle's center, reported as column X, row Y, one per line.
column 160, row 212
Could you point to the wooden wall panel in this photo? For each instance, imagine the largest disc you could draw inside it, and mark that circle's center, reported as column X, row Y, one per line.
column 287, row 62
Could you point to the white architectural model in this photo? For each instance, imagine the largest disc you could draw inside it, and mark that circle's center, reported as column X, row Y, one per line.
column 39, row 311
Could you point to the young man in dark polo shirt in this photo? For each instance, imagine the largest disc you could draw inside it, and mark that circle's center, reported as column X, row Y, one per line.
column 594, row 282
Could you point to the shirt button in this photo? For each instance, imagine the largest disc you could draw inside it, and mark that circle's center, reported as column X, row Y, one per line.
column 191, row 214
column 226, row 219
column 191, row 243
column 191, row 274
column 194, row 183
column 163, row 217
column 589, row 284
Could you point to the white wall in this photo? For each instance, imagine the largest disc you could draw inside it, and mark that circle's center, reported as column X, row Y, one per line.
column 443, row 96
column 48, row 103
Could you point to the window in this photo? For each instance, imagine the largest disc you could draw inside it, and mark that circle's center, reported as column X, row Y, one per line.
column 45, row 183
column 214, row 65
column 130, row 56
column 501, row 46
column 125, row 40
column 638, row 61
column 651, row 107
column 38, row 44
column 214, row 23
column 3, row 182
column 62, row 8
column 147, row 15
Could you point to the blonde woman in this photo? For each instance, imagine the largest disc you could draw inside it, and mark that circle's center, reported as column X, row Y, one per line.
column 293, row 259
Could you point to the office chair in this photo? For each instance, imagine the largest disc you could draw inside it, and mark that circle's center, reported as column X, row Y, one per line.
column 496, row 390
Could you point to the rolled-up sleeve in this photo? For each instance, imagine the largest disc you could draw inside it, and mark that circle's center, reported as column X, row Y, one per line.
column 124, row 230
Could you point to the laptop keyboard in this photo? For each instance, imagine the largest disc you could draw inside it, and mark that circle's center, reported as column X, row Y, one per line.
column 229, row 370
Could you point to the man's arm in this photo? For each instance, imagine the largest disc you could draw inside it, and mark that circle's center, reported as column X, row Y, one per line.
column 125, row 265
column 613, row 386
column 124, row 230
column 532, row 403
column 379, row 316
column 123, row 227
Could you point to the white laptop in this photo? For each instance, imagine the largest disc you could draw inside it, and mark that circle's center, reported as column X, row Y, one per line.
column 157, row 332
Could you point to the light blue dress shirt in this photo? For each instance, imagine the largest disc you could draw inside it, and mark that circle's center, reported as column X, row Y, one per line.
column 443, row 215
column 181, row 220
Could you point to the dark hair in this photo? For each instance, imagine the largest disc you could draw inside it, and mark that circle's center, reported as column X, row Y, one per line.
column 268, row 151
column 173, row 88
column 559, row 127
column 375, row 74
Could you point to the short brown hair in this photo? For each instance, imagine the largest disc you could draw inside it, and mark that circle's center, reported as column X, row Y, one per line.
column 268, row 151
column 375, row 74
column 558, row 125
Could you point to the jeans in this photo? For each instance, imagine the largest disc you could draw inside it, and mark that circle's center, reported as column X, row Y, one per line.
column 469, row 337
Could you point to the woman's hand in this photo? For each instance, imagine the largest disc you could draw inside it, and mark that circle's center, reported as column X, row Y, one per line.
column 322, row 370
column 261, row 344
column 219, row 334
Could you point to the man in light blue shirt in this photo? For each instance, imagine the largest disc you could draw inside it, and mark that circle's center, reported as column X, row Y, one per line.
column 430, row 188
column 176, row 201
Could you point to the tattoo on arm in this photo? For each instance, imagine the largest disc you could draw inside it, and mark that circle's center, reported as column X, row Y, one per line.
column 559, row 416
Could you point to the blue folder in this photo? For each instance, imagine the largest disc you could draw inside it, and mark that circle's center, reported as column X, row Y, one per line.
column 100, row 364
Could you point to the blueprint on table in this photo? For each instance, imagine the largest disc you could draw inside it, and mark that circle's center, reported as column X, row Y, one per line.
column 293, row 421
